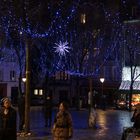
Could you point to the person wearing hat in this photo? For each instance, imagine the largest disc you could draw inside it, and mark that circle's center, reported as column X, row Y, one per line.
column 7, row 120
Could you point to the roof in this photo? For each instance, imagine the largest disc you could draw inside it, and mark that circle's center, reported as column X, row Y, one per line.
column 125, row 85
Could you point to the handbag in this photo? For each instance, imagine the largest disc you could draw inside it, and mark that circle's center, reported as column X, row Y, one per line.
column 70, row 132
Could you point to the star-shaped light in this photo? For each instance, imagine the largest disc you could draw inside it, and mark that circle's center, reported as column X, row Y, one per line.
column 62, row 48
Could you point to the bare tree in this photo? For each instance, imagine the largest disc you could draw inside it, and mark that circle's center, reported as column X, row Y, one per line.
column 131, row 43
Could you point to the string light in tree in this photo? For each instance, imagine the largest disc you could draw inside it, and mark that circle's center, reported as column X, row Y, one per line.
column 62, row 48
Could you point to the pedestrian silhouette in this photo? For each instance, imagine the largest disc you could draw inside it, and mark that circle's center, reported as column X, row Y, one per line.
column 21, row 112
column 48, row 111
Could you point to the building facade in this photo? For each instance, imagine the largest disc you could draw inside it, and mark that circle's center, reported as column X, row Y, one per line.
column 9, row 80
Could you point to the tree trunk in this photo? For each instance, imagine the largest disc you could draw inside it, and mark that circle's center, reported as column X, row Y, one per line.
column 27, row 95
column 19, row 85
column 78, row 94
column 130, row 96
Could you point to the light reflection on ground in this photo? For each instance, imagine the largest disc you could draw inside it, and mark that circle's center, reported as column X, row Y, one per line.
column 110, row 124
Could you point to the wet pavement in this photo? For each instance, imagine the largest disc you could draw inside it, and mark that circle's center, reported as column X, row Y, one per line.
column 110, row 124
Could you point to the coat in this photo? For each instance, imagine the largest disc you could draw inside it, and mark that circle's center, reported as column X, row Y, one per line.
column 62, row 128
column 136, row 119
column 8, row 124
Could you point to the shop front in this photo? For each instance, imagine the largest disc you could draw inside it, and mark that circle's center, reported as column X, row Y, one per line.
column 123, row 94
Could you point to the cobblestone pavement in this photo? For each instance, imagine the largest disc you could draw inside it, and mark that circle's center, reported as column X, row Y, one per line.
column 110, row 124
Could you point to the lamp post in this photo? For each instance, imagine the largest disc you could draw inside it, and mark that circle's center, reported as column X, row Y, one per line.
column 103, row 105
column 24, row 81
column 102, row 81
column 27, row 92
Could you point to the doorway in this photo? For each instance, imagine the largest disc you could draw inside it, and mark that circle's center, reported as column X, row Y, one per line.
column 14, row 95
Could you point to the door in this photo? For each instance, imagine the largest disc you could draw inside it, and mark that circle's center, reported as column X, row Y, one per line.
column 14, row 95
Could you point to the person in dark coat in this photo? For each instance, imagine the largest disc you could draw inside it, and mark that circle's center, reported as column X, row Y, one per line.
column 7, row 121
column 136, row 118
column 48, row 111
column 136, row 126
column 21, row 112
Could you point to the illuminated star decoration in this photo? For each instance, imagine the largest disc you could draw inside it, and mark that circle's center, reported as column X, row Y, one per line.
column 62, row 48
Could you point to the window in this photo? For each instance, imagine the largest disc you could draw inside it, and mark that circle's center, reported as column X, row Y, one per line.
column 1, row 76
column 62, row 76
column 134, row 11
column 83, row 18
column 12, row 76
column 38, row 92
column 35, row 92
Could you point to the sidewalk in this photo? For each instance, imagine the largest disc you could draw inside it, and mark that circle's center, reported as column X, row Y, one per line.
column 110, row 126
column 79, row 134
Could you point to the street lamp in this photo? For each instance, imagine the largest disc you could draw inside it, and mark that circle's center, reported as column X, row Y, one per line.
column 102, row 96
column 102, row 81
column 24, row 79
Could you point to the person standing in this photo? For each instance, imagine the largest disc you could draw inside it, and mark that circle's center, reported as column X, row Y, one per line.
column 7, row 121
column 135, row 129
column 21, row 112
column 62, row 127
column 48, row 111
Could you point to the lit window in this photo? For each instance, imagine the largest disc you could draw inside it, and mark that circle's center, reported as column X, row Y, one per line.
column 83, row 18
column 35, row 92
column 40, row 92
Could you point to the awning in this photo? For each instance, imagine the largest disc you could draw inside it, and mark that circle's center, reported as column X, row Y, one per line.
column 125, row 85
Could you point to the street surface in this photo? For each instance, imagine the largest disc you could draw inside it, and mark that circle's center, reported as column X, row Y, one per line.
column 110, row 125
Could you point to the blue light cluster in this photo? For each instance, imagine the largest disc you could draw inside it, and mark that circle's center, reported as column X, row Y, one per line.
column 56, row 24
column 58, row 30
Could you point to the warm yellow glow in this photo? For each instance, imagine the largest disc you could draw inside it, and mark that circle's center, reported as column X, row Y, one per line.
column 83, row 18
column 40, row 92
column 35, row 92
